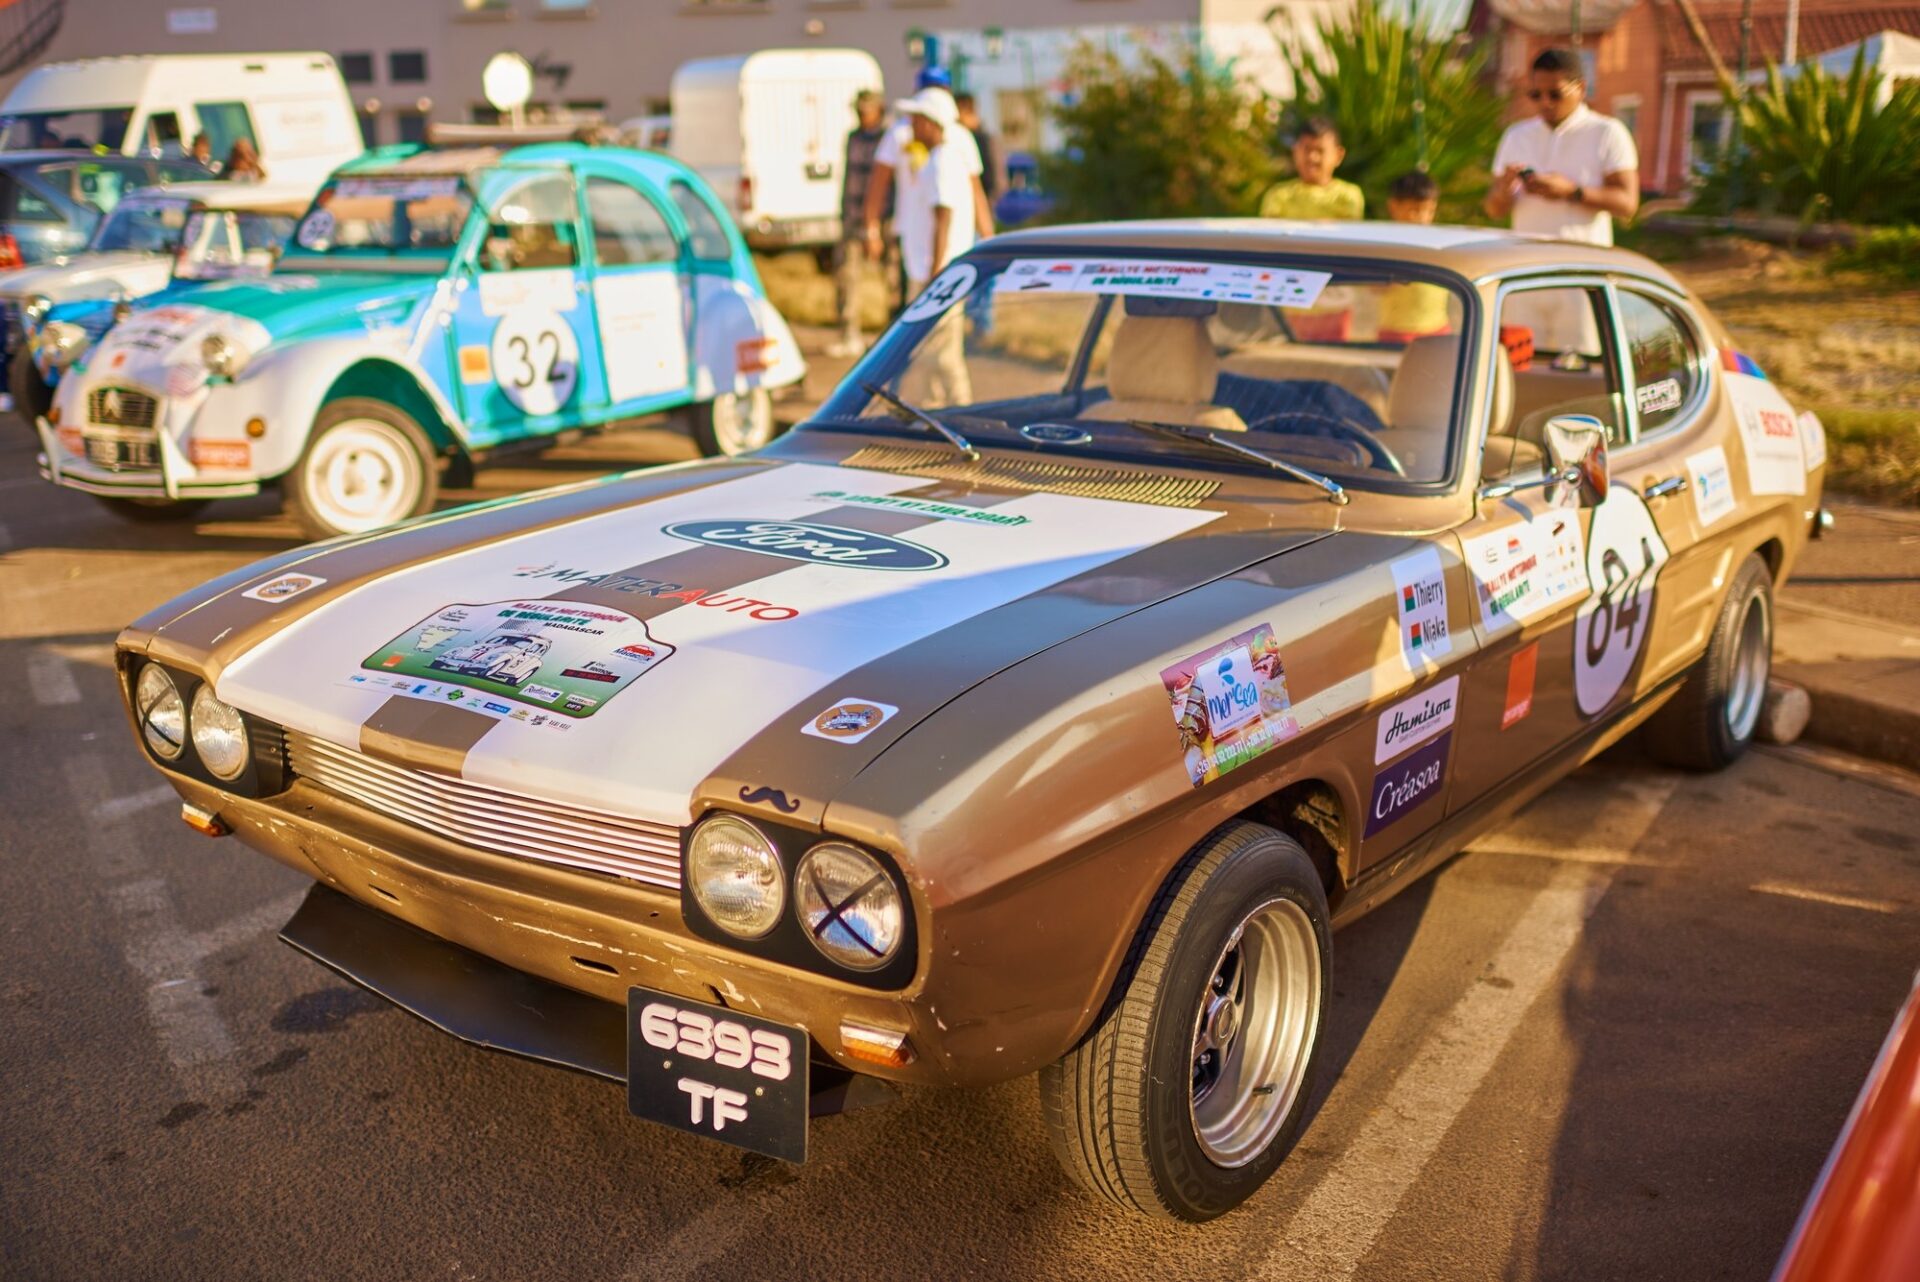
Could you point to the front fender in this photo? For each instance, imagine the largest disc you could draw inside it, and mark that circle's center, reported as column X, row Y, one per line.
column 740, row 341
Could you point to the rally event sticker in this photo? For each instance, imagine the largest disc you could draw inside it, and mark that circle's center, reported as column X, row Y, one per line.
column 1712, row 485
column 1624, row 556
column 849, row 720
column 1527, row 568
column 536, row 360
column 283, row 587
column 1230, row 703
column 948, row 288
column 558, row 656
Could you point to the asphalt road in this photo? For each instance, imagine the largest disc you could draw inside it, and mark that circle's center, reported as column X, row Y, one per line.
column 1614, row 1040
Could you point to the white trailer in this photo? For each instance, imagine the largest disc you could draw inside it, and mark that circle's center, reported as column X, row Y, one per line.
column 768, row 131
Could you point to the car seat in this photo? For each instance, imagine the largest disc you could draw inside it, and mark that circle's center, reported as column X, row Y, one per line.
column 1163, row 369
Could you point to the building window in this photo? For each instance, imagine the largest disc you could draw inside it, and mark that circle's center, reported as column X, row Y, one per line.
column 1707, row 122
column 356, row 68
column 407, row 66
column 1626, row 109
column 413, row 125
column 369, row 128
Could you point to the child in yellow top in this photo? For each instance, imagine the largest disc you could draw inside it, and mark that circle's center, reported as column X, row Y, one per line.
column 1413, row 309
column 1314, row 193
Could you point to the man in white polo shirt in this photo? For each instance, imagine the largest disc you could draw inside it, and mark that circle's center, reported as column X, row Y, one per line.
column 1569, row 171
column 934, row 214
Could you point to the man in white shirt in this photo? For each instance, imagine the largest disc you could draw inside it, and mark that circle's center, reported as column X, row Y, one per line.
column 1569, row 171
column 887, row 159
column 933, row 211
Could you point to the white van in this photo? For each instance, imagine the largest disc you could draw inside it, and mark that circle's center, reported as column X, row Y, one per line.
column 768, row 131
column 292, row 106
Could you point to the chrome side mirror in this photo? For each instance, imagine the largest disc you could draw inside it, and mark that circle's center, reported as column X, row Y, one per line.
column 1577, row 463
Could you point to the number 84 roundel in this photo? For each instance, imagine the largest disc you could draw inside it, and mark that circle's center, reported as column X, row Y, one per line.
column 1624, row 556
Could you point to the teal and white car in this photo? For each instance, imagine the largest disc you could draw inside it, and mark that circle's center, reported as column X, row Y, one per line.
column 433, row 307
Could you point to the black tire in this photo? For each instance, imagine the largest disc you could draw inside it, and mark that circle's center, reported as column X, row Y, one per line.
column 415, row 489
column 1701, row 727
column 715, row 440
column 1120, row 1105
column 153, row 511
column 32, row 395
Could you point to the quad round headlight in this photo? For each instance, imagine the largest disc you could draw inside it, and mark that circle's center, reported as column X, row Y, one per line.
column 850, row 907
column 161, row 712
column 736, row 877
column 219, row 735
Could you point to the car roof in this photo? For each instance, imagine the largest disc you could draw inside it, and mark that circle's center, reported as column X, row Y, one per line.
column 57, row 155
column 1473, row 252
column 216, row 193
column 467, row 160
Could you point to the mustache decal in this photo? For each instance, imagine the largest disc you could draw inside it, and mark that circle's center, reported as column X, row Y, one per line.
column 774, row 796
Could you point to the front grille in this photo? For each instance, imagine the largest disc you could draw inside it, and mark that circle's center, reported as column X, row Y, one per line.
column 121, row 407
column 1128, row 486
column 490, row 819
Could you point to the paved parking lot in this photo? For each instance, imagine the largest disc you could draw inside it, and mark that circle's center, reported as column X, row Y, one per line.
column 1614, row 1040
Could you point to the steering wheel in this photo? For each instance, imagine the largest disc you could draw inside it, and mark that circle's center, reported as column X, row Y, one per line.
column 1376, row 449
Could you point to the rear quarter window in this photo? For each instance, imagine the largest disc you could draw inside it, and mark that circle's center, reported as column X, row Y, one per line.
column 706, row 235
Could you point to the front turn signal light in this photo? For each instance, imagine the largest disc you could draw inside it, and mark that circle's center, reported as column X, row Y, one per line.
column 887, row 1047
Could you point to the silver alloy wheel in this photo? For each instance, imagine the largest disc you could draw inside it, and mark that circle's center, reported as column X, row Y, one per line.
column 1254, row 1032
column 1747, row 677
column 362, row 474
column 742, row 421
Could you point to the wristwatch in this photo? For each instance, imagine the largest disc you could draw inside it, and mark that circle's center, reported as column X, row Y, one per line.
column 1578, row 196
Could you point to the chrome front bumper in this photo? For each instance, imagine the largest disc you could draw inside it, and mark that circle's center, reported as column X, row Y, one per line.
column 164, row 483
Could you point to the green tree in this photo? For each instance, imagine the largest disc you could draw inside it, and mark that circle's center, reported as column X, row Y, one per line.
column 1167, row 138
column 1820, row 146
column 1372, row 76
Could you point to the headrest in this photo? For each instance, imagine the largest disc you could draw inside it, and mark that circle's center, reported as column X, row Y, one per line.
column 1162, row 358
column 1422, row 396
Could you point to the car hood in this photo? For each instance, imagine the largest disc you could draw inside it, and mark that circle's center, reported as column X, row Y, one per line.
column 102, row 275
column 290, row 303
column 613, row 646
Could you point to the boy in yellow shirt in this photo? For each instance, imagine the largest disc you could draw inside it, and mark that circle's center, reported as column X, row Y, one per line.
column 1314, row 193
column 1413, row 309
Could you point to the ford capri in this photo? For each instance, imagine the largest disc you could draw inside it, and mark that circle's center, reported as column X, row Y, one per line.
column 1151, row 600
column 434, row 308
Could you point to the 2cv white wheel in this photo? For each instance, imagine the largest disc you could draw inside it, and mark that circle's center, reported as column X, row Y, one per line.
column 733, row 423
column 366, row 465
column 1190, row 1087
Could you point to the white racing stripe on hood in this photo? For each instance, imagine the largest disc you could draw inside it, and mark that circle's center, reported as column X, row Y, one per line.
column 728, row 674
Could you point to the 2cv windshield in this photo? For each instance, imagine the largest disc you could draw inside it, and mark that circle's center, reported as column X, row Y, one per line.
column 407, row 219
column 1349, row 371
column 144, row 225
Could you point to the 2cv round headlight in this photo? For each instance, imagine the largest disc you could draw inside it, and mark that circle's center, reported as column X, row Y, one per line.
column 850, row 907
column 219, row 735
column 161, row 711
column 735, row 876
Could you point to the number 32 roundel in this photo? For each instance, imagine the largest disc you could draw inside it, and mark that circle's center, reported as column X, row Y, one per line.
column 536, row 360
column 1624, row 556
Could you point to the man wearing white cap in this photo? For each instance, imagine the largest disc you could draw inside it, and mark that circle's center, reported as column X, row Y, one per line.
column 934, row 213
column 892, row 156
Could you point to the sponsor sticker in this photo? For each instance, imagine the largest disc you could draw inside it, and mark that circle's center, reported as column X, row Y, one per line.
column 948, row 288
column 755, row 355
column 1520, row 670
column 1420, row 594
column 1813, row 439
column 818, row 544
column 1525, row 569
column 1776, row 463
column 1415, row 720
column 1163, row 279
column 531, row 652
column 1230, row 703
column 509, row 293
column 1712, row 484
column 231, row 456
column 849, row 720
column 924, row 507
column 316, row 230
column 283, row 587
column 1408, row 784
column 635, row 585
column 476, row 363
column 1658, row 397
column 1624, row 556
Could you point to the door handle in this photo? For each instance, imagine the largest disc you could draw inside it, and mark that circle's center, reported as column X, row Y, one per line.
column 1662, row 489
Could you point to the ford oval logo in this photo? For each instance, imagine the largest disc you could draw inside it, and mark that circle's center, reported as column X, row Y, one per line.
column 819, row 544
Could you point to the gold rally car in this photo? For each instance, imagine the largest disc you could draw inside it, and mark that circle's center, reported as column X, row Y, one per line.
column 1150, row 600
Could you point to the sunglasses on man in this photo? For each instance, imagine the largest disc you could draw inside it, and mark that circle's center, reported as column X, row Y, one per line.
column 1549, row 95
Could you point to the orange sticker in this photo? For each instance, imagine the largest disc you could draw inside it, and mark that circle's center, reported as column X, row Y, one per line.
column 74, row 443
column 119, row 359
column 231, row 456
column 1520, row 684
column 475, row 365
column 754, row 355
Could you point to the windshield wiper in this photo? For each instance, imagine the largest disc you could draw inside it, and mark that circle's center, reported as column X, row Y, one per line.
column 1335, row 492
column 924, row 419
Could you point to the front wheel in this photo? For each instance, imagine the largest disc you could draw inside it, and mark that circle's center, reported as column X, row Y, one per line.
column 32, row 394
column 1710, row 722
column 367, row 464
column 734, row 422
column 1191, row 1086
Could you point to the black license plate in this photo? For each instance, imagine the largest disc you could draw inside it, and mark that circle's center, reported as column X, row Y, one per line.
column 103, row 452
column 717, row 1073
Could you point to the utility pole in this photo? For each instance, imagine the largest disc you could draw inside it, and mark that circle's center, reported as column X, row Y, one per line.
column 1790, row 48
column 1575, row 19
column 1739, row 102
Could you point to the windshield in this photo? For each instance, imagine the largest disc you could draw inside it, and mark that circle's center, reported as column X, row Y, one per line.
column 1345, row 371
column 414, row 217
column 145, row 225
column 220, row 244
column 91, row 127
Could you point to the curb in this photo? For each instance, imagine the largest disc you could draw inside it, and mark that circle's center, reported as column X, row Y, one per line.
column 1863, row 675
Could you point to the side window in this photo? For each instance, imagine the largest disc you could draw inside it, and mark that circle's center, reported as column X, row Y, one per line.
column 1663, row 357
column 29, row 206
column 709, row 238
column 163, row 133
column 532, row 227
column 1554, row 347
column 627, row 228
column 225, row 123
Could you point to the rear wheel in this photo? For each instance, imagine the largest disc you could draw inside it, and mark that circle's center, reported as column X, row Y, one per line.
column 32, row 395
column 733, row 423
column 149, row 511
column 1711, row 720
column 367, row 464
column 1190, row 1087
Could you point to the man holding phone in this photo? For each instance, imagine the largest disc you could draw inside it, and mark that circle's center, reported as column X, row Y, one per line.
column 1569, row 171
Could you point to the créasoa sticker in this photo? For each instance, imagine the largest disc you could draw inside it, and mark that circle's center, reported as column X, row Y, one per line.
column 1408, row 784
column 283, row 587
column 1230, row 703
column 849, row 720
